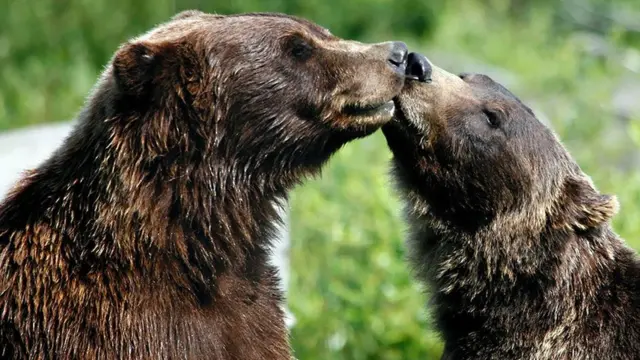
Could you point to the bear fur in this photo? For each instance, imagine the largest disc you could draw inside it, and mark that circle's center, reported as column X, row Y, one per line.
column 510, row 236
column 146, row 235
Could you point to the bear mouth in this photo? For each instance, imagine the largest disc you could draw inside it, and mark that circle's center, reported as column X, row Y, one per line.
column 374, row 109
column 404, row 139
column 401, row 121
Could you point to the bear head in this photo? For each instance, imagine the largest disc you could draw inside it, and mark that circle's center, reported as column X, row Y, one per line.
column 469, row 153
column 262, row 97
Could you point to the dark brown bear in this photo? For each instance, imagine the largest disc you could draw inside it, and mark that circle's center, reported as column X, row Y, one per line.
column 147, row 234
column 512, row 238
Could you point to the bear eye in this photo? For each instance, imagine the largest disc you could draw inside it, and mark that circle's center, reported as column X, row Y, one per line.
column 300, row 48
column 492, row 117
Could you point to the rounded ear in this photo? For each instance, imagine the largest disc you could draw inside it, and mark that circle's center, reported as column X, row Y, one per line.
column 139, row 65
column 582, row 207
column 134, row 66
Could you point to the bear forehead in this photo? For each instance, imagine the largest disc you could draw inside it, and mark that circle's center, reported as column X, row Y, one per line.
column 237, row 26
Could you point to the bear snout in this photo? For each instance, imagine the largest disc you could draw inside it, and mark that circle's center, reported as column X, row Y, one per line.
column 418, row 68
column 398, row 55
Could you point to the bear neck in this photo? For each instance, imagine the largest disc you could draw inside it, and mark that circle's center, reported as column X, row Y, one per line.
column 491, row 286
column 108, row 212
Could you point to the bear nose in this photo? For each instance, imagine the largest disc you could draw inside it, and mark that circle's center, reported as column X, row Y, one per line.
column 418, row 68
column 398, row 54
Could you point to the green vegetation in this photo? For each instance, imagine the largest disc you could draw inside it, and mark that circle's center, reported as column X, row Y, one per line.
column 350, row 289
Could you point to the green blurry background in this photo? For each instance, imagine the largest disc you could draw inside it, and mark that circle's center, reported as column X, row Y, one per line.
column 577, row 62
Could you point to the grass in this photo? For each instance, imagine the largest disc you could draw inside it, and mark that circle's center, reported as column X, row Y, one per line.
column 350, row 289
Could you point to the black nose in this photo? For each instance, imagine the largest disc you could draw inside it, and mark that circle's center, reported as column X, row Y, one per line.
column 418, row 68
column 398, row 54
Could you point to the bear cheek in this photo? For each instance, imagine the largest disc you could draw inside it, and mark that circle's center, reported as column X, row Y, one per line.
column 355, row 82
column 376, row 81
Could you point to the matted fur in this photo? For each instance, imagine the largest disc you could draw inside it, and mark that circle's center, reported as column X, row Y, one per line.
column 511, row 237
column 147, row 234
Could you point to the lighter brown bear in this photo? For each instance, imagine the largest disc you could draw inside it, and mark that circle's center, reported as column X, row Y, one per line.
column 146, row 235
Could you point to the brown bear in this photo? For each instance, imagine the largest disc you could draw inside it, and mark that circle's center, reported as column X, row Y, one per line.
column 147, row 234
column 512, row 238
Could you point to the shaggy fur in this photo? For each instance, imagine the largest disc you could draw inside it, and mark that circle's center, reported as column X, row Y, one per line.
column 512, row 238
column 147, row 234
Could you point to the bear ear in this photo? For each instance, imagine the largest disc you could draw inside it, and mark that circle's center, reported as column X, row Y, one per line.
column 582, row 206
column 134, row 66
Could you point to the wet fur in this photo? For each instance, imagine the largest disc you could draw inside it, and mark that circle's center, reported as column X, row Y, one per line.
column 147, row 234
column 511, row 238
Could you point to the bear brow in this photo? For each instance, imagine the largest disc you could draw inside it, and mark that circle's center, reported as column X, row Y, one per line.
column 315, row 28
column 511, row 96
column 261, row 14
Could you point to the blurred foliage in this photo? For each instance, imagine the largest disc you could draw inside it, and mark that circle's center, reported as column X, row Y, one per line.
column 350, row 289
column 52, row 50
